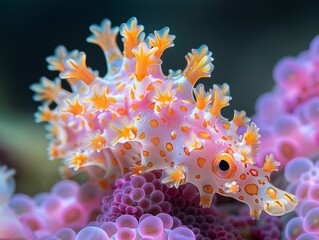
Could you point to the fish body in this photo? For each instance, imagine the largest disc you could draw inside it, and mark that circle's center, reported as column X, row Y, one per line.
column 138, row 119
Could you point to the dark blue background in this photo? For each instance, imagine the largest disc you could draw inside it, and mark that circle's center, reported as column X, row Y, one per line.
column 246, row 38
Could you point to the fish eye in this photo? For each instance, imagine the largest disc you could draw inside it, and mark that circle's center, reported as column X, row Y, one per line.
column 224, row 165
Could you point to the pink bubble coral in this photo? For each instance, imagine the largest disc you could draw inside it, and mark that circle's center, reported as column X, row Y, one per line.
column 159, row 200
column 288, row 116
column 127, row 227
column 138, row 119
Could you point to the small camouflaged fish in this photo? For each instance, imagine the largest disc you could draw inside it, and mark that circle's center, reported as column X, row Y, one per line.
column 138, row 119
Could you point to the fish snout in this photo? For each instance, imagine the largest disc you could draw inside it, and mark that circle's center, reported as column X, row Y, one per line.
column 280, row 205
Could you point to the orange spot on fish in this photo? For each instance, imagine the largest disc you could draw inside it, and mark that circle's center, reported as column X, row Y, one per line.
column 261, row 182
column 184, row 128
column 253, row 172
column 251, row 189
column 162, row 153
column 154, row 123
column 226, row 125
column 208, row 189
column 173, row 135
column 152, row 105
column 121, row 88
column 134, row 106
column 169, row 146
column 201, row 162
column 204, row 124
column 100, row 159
column 289, row 198
column 142, row 136
column 230, row 150
column 242, row 176
column 114, row 162
column 127, row 145
column 122, row 111
column 271, row 193
column 183, row 108
column 155, row 141
column 179, row 87
column 279, row 204
column 186, row 151
column 204, row 135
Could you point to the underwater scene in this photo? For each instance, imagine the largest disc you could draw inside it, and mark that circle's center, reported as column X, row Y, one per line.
column 128, row 140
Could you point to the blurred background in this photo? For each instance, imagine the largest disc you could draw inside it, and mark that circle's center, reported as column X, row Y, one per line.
column 247, row 38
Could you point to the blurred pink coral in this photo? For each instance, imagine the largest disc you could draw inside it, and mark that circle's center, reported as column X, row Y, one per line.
column 267, row 228
column 289, row 115
column 67, row 205
column 10, row 224
column 303, row 177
